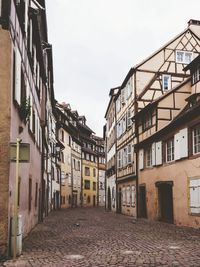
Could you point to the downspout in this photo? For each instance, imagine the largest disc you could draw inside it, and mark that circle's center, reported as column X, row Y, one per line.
column 116, row 187
column 72, row 180
column 98, row 182
column 137, row 140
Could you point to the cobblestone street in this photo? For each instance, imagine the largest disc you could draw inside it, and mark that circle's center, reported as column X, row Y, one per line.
column 93, row 237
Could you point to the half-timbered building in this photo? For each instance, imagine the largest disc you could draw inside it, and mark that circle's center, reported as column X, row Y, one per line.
column 110, row 144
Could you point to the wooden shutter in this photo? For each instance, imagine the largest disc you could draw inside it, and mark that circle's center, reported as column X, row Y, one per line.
column 153, row 151
column 177, row 146
column 141, row 159
column 159, row 153
column 18, row 76
column 195, row 196
column 184, row 143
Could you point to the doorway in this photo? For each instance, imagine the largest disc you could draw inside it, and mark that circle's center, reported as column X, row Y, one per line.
column 109, row 199
column 165, row 198
column 94, row 201
column 120, row 200
column 142, row 202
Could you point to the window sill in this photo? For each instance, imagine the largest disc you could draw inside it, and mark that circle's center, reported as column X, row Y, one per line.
column 194, row 214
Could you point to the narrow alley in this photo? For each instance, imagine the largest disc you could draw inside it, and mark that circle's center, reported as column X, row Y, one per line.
column 92, row 237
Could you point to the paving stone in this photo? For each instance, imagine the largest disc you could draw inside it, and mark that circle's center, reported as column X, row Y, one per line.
column 106, row 239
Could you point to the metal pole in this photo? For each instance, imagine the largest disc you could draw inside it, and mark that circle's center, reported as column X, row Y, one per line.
column 16, row 199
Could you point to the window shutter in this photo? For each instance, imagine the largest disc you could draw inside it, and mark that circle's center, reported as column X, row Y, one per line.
column 18, row 76
column 159, row 153
column 184, row 143
column 195, row 196
column 177, row 146
column 141, row 159
column 153, row 148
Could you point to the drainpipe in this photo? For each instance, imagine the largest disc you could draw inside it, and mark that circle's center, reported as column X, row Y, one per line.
column 116, row 188
column 137, row 140
column 72, row 180
column 98, row 182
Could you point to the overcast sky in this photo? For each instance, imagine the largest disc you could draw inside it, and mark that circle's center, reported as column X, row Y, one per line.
column 96, row 42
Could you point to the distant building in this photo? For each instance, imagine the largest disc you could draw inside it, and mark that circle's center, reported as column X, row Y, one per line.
column 89, row 165
column 110, row 152
column 100, row 149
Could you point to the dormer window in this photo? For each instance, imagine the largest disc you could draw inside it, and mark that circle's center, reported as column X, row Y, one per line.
column 147, row 121
column 184, row 57
column 196, row 75
column 166, row 82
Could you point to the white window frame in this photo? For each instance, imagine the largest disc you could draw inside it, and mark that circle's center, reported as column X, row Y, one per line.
column 128, row 196
column 123, row 96
column 196, row 75
column 167, row 79
column 118, row 104
column 184, row 57
column 129, row 121
column 133, row 196
column 170, row 150
column 196, row 144
column 129, row 152
column 125, row 156
column 119, row 157
column 148, row 156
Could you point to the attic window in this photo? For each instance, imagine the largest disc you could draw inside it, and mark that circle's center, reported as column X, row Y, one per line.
column 184, row 57
column 196, row 75
column 166, row 82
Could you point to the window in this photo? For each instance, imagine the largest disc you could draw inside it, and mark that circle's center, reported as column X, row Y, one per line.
column 124, row 156
column 128, row 195
column 194, row 196
column 94, row 172
column 196, row 75
column 133, row 196
column 129, row 154
column 129, row 88
column 147, row 121
column 118, row 104
column 94, row 186
column 170, row 150
column 74, row 164
column 62, row 157
column 166, row 82
column 87, row 157
column 184, row 57
column 149, row 157
column 196, row 139
column 129, row 121
column 119, row 159
column 78, row 166
column 87, row 184
column 62, row 135
column 124, row 196
column 123, row 96
column 87, row 171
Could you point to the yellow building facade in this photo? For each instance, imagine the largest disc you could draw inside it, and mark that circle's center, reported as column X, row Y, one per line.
column 89, row 185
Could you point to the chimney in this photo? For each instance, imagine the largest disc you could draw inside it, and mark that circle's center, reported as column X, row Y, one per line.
column 193, row 22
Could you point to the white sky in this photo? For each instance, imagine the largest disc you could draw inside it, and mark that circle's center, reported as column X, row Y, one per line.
column 96, row 42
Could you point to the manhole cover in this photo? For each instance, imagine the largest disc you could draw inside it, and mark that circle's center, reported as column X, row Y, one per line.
column 74, row 257
column 127, row 252
column 174, row 247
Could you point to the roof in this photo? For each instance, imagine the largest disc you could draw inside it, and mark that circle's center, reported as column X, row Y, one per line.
column 111, row 94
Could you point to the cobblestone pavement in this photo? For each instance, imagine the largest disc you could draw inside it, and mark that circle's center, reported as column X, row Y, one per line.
column 92, row 237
